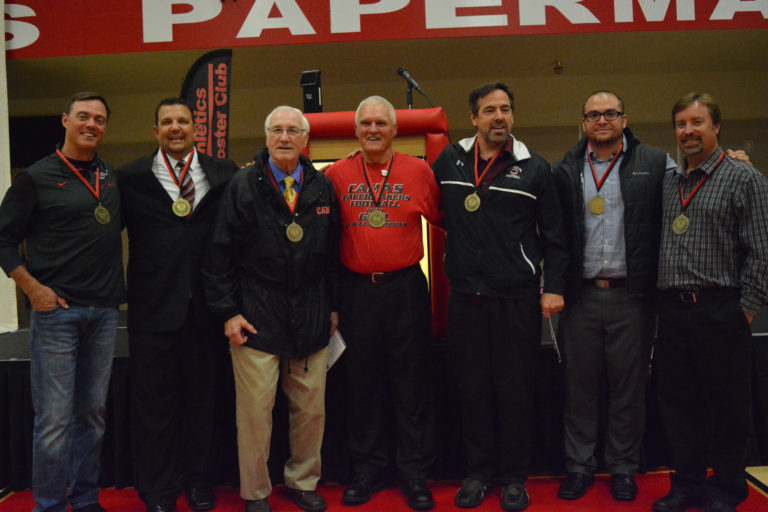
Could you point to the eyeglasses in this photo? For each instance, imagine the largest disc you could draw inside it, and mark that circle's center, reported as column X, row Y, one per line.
column 292, row 131
column 593, row 116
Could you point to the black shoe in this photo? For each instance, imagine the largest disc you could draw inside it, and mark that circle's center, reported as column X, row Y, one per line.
column 306, row 500
column 676, row 501
column 575, row 486
column 623, row 487
column 719, row 506
column 261, row 505
column 361, row 489
column 419, row 495
column 200, row 498
column 159, row 508
column 471, row 493
column 514, row 497
column 91, row 507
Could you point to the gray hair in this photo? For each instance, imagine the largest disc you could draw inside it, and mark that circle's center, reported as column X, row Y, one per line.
column 376, row 100
column 304, row 122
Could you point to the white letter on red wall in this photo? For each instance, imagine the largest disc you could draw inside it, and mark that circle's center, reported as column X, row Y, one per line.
column 653, row 10
column 292, row 18
column 159, row 18
column 22, row 33
column 533, row 12
column 727, row 8
column 442, row 14
column 345, row 14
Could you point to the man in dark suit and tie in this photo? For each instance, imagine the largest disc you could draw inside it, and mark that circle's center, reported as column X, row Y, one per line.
column 177, row 347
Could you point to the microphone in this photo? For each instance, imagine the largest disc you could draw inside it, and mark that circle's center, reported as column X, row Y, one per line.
column 404, row 74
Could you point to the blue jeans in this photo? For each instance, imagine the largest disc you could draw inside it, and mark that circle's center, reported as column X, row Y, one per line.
column 71, row 360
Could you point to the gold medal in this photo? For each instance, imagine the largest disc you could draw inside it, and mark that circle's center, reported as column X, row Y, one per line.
column 472, row 202
column 101, row 214
column 597, row 205
column 294, row 232
column 181, row 207
column 681, row 224
column 376, row 218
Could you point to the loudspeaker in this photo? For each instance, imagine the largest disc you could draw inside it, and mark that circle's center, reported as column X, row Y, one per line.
column 313, row 98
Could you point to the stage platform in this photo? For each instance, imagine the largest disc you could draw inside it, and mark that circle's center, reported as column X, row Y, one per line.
column 16, row 418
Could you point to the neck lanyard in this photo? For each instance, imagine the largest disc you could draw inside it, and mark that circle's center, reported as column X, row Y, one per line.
column 178, row 181
column 685, row 200
column 382, row 183
column 95, row 192
column 479, row 179
column 599, row 183
column 274, row 182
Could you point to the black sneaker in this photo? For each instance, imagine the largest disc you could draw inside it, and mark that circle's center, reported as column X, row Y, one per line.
column 471, row 493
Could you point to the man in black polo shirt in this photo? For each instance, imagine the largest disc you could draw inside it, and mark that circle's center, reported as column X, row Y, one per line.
column 713, row 275
column 67, row 208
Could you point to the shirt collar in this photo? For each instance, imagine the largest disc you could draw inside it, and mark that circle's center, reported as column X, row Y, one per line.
column 173, row 161
column 509, row 147
column 707, row 166
column 280, row 175
column 594, row 156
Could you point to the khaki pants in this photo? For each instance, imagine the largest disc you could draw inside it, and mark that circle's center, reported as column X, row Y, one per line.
column 256, row 375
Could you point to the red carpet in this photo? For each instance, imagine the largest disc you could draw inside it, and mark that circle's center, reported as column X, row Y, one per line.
column 543, row 491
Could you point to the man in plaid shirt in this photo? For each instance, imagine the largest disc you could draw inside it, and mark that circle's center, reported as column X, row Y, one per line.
column 713, row 277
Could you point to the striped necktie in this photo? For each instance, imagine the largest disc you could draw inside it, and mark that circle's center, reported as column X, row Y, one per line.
column 187, row 185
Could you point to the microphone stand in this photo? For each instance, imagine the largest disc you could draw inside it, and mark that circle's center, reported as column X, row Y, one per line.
column 409, row 96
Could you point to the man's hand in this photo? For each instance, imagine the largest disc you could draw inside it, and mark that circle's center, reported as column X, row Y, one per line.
column 739, row 155
column 551, row 303
column 354, row 152
column 234, row 327
column 42, row 297
column 749, row 317
column 334, row 322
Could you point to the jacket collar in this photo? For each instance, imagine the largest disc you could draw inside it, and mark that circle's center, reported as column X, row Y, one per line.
column 577, row 152
column 519, row 150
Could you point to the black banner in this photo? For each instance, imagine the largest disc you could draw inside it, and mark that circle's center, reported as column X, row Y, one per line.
column 206, row 89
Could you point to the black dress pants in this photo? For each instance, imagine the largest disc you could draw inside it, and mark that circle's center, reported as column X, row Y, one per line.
column 387, row 330
column 703, row 371
column 496, row 343
column 173, row 378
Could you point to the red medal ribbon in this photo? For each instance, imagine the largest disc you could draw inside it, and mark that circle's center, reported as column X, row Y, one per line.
column 490, row 164
column 377, row 199
column 599, row 183
column 183, row 172
column 684, row 201
column 77, row 172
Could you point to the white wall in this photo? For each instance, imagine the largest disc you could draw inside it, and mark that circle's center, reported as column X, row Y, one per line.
column 8, row 318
